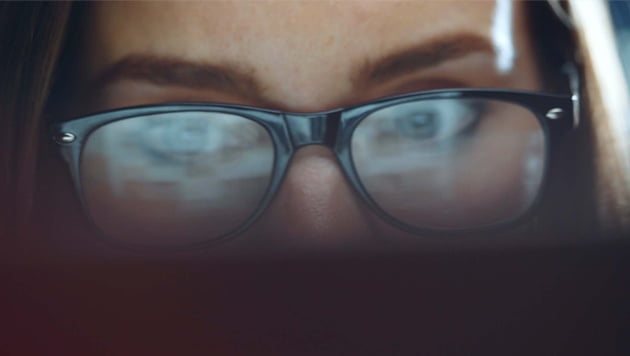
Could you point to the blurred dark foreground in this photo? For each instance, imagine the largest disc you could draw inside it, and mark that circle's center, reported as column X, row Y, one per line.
column 537, row 301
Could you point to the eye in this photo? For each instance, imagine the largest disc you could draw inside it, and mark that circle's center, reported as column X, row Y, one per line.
column 182, row 137
column 436, row 119
column 421, row 125
column 179, row 138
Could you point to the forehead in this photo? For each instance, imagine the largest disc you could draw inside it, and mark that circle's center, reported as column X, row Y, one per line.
column 306, row 53
column 263, row 28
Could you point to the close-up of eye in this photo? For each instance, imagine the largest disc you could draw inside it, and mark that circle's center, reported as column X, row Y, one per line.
column 298, row 177
column 429, row 121
column 178, row 137
column 438, row 121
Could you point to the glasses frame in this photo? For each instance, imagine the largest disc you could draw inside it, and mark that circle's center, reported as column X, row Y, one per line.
column 557, row 115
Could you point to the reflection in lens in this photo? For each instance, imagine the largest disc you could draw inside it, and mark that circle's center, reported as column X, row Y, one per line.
column 176, row 178
column 451, row 163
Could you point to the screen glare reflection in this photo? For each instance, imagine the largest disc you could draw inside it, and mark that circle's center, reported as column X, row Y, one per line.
column 169, row 175
column 483, row 164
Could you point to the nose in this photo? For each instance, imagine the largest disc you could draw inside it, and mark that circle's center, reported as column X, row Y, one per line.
column 315, row 206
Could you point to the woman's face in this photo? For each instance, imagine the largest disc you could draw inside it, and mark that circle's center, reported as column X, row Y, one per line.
column 300, row 56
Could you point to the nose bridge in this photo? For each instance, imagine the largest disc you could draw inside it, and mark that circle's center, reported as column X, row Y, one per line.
column 313, row 129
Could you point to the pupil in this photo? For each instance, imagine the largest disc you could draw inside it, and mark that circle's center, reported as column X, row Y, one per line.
column 420, row 125
column 185, row 139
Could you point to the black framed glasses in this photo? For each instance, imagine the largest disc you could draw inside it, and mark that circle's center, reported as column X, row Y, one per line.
column 443, row 161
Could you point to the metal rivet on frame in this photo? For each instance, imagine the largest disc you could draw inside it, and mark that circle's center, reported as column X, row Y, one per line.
column 555, row 113
column 65, row 138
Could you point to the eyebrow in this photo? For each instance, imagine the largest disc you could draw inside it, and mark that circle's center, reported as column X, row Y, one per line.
column 169, row 71
column 230, row 79
column 421, row 57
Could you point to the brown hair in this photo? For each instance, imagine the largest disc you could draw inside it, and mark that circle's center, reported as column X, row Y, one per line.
column 31, row 37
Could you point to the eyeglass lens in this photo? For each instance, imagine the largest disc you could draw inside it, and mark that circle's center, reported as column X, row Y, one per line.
column 451, row 163
column 175, row 178
column 187, row 177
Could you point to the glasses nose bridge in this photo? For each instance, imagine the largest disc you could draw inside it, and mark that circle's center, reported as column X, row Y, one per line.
column 313, row 129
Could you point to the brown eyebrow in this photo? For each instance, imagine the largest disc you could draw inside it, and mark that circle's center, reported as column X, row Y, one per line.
column 421, row 57
column 168, row 71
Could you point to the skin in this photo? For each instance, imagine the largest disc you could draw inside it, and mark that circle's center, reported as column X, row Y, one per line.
column 300, row 56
